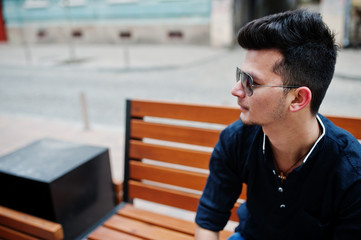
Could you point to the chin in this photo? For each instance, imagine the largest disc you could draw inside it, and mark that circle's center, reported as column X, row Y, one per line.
column 245, row 119
column 248, row 120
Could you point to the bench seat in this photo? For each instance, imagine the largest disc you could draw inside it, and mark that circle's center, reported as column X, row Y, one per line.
column 134, row 223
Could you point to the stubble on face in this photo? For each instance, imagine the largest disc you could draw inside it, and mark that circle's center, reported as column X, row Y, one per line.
column 265, row 116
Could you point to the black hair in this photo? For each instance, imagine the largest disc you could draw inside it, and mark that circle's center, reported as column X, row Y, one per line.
column 306, row 43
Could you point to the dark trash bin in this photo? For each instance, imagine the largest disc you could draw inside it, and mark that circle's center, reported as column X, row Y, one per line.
column 63, row 182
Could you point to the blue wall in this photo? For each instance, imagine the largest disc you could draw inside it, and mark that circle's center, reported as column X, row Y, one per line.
column 15, row 12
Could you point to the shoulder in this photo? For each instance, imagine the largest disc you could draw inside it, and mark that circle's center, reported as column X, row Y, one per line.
column 336, row 133
column 343, row 147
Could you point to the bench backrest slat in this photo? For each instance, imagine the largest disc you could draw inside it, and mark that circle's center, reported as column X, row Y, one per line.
column 169, row 197
column 163, row 195
column 139, row 150
column 28, row 224
column 168, row 147
column 350, row 124
column 176, row 177
column 209, row 114
column 181, row 134
column 8, row 233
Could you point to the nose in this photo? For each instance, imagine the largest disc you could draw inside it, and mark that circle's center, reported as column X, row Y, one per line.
column 238, row 91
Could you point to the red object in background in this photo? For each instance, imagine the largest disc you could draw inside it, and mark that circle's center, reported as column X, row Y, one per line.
column 2, row 25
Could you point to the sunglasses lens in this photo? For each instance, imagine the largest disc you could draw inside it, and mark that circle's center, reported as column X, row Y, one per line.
column 246, row 82
column 238, row 75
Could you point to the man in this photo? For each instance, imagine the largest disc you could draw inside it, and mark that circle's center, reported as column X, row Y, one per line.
column 303, row 173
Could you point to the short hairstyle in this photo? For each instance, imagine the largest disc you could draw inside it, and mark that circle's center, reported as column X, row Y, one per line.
column 306, row 43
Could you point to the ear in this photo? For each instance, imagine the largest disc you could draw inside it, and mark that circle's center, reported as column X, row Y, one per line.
column 302, row 97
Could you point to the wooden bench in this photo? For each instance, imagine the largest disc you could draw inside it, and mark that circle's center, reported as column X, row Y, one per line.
column 167, row 151
column 16, row 225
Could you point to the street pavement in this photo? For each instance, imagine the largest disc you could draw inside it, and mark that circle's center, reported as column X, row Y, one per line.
column 41, row 85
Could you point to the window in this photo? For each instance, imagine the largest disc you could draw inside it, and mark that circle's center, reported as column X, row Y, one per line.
column 121, row 1
column 72, row 3
column 30, row 4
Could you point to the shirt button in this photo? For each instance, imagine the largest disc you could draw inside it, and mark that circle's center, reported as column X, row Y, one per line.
column 282, row 206
column 280, row 189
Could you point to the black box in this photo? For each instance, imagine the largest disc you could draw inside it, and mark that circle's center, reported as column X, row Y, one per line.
column 60, row 181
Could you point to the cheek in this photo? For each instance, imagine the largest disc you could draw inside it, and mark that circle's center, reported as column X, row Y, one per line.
column 265, row 106
column 261, row 104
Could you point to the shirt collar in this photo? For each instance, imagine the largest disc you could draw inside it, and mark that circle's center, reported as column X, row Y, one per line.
column 314, row 145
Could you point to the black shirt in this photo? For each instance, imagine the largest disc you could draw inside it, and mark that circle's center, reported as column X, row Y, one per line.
column 321, row 199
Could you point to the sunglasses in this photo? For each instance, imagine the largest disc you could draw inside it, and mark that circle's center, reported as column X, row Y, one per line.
column 247, row 82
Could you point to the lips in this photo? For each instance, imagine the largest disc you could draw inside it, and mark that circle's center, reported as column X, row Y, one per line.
column 243, row 107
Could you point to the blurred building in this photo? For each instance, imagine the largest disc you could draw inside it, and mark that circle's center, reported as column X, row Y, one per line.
column 355, row 24
column 107, row 21
column 213, row 22
column 344, row 19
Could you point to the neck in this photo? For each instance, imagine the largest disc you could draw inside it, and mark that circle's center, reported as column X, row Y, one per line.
column 291, row 140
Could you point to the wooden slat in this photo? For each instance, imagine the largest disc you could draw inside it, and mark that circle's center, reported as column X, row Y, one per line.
column 243, row 195
column 164, row 221
column 350, row 124
column 118, row 190
column 191, row 112
column 103, row 233
column 144, row 230
column 234, row 216
column 118, row 186
column 30, row 224
column 181, row 134
column 224, row 235
column 174, row 198
column 187, row 157
column 10, row 234
column 176, row 177
column 160, row 220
